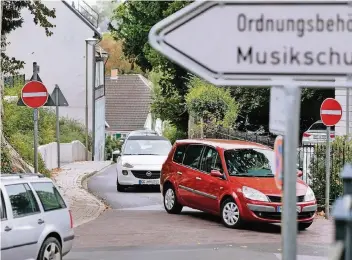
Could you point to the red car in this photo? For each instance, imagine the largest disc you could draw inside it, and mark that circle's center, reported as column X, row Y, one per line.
column 232, row 179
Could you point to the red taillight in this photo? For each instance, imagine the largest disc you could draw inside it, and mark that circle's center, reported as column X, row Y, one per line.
column 306, row 135
column 71, row 219
column 332, row 136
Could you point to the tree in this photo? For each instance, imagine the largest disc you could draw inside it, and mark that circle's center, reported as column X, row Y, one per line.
column 12, row 19
column 134, row 20
column 116, row 59
column 213, row 105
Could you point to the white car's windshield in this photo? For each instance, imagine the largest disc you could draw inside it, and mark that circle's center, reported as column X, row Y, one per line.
column 147, row 147
column 250, row 162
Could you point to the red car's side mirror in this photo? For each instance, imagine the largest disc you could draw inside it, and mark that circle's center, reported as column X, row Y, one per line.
column 216, row 173
column 299, row 173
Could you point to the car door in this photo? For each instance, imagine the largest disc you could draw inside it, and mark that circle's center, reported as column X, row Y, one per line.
column 26, row 224
column 188, row 171
column 209, row 188
column 6, row 243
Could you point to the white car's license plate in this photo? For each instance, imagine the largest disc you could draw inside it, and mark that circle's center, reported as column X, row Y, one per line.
column 149, row 182
column 279, row 209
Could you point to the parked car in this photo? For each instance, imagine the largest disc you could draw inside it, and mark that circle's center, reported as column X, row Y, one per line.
column 141, row 160
column 36, row 222
column 316, row 133
column 232, row 179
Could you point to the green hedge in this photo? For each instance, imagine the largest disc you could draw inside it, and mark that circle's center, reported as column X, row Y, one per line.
column 172, row 133
column 341, row 153
column 18, row 129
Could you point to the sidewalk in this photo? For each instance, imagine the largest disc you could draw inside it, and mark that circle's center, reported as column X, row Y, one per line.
column 84, row 206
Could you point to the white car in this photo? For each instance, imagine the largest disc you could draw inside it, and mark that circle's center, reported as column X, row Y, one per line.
column 316, row 134
column 141, row 160
column 36, row 222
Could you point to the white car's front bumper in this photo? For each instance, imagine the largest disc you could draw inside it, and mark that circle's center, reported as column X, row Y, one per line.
column 139, row 177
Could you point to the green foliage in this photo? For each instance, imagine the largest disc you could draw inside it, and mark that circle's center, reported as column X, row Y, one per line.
column 213, row 104
column 341, row 153
column 18, row 129
column 134, row 20
column 172, row 133
column 12, row 19
column 111, row 145
column 6, row 164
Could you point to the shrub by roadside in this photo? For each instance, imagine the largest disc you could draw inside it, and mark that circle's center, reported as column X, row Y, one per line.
column 172, row 133
column 341, row 153
column 18, row 129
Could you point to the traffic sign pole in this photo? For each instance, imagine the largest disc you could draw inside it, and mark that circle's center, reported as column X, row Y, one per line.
column 35, row 118
column 330, row 114
column 327, row 174
column 289, row 214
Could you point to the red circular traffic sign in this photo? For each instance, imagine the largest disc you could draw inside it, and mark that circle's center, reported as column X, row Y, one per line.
column 330, row 112
column 34, row 94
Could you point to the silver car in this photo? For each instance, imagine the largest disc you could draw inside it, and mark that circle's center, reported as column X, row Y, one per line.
column 316, row 134
column 36, row 222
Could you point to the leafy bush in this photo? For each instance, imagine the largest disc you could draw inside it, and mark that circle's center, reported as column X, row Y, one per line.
column 111, row 145
column 172, row 133
column 341, row 153
column 18, row 129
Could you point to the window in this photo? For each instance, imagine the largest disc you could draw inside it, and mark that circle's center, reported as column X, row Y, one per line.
column 147, row 147
column 2, row 207
column 192, row 156
column 250, row 162
column 210, row 160
column 22, row 200
column 320, row 127
column 178, row 155
column 49, row 196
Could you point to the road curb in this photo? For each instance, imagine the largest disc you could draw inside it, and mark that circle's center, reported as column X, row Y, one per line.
column 80, row 184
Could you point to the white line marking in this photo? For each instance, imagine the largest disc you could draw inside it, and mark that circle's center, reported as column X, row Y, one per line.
column 331, row 112
column 35, row 94
column 305, row 257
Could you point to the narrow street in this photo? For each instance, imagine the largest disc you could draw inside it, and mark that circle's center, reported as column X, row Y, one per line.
column 137, row 225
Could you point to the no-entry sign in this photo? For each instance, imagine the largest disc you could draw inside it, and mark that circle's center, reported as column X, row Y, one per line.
column 330, row 112
column 34, row 94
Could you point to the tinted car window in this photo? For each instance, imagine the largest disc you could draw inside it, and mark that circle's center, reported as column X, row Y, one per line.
column 250, row 162
column 49, row 196
column 179, row 153
column 22, row 200
column 210, row 160
column 320, row 126
column 2, row 207
column 192, row 156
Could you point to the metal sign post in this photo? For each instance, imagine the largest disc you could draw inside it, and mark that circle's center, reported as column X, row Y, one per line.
column 327, row 174
column 35, row 118
column 59, row 100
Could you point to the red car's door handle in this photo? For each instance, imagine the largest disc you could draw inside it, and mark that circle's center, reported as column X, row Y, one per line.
column 179, row 173
column 198, row 178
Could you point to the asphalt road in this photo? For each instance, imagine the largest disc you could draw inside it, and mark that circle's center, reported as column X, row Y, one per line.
column 138, row 226
column 103, row 185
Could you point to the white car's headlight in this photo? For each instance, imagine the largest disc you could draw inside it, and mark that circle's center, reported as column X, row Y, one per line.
column 309, row 195
column 254, row 194
column 127, row 165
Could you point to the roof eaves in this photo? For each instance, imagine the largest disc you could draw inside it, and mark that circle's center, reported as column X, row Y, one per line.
column 80, row 16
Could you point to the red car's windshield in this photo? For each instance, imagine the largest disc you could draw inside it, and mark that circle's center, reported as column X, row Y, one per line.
column 249, row 162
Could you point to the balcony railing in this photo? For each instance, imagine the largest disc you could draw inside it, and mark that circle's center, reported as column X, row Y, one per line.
column 88, row 12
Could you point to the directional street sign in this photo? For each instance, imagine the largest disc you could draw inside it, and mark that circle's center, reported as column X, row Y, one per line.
column 34, row 94
column 279, row 160
column 223, row 41
column 330, row 112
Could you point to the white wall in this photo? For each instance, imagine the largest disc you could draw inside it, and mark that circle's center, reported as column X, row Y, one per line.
column 340, row 95
column 158, row 124
column 99, row 154
column 61, row 57
column 69, row 152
